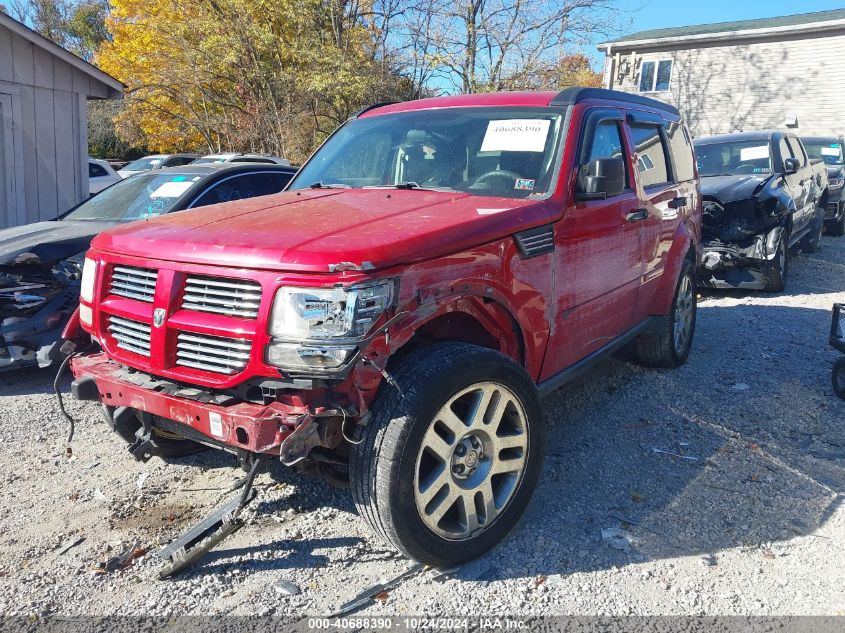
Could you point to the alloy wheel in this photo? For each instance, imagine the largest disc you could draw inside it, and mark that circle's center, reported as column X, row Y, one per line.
column 684, row 312
column 472, row 458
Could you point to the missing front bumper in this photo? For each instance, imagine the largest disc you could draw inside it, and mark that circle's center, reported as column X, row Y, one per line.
column 223, row 423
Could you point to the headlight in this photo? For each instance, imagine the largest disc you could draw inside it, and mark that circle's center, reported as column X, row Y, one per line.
column 324, row 314
column 89, row 274
column 835, row 183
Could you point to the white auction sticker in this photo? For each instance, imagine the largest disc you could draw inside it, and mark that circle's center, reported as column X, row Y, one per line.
column 215, row 424
column 830, row 151
column 172, row 189
column 516, row 135
column 754, row 153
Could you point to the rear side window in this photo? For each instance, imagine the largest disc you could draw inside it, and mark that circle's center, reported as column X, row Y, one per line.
column 243, row 187
column 94, row 171
column 651, row 155
column 682, row 154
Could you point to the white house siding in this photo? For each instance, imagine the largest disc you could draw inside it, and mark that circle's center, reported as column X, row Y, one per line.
column 753, row 84
column 48, row 168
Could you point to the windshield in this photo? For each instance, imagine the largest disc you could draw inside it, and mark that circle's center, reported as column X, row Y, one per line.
column 830, row 152
column 137, row 198
column 208, row 159
column 144, row 164
column 734, row 158
column 507, row 152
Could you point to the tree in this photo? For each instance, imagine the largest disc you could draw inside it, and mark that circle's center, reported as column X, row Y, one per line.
column 76, row 25
column 256, row 75
column 570, row 70
column 487, row 45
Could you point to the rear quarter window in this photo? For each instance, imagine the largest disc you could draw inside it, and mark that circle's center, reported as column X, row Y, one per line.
column 682, row 154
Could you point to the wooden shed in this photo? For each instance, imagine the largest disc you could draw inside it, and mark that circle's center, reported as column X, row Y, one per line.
column 43, row 124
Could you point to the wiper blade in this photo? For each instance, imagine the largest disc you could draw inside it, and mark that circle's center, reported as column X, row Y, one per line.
column 408, row 185
column 331, row 185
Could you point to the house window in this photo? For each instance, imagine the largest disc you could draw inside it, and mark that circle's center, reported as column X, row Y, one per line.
column 655, row 76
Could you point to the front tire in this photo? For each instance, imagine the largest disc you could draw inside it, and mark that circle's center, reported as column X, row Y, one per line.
column 776, row 270
column 448, row 463
column 670, row 345
column 836, row 226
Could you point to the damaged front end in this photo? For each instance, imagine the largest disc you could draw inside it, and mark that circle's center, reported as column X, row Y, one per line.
column 741, row 240
column 36, row 300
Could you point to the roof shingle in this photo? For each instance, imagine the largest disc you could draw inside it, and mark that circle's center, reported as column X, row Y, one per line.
column 727, row 27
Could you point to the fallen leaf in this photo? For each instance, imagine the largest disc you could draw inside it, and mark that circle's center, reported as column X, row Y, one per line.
column 539, row 581
column 381, row 596
column 755, row 477
column 636, row 496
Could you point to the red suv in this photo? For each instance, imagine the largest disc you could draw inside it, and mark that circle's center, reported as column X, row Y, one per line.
column 391, row 321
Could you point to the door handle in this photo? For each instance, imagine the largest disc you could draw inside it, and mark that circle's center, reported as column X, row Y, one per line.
column 678, row 202
column 637, row 215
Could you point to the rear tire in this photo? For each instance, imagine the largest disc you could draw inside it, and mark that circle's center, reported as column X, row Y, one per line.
column 448, row 462
column 777, row 269
column 812, row 242
column 838, row 378
column 670, row 345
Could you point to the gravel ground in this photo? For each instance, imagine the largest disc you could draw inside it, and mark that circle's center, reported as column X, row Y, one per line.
column 747, row 521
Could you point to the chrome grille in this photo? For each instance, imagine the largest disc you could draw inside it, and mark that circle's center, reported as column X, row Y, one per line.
column 212, row 353
column 134, row 283
column 130, row 335
column 220, row 295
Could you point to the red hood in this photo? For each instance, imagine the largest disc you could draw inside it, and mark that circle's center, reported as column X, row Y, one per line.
column 311, row 229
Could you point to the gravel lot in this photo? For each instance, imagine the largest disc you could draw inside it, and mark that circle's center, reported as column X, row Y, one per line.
column 749, row 521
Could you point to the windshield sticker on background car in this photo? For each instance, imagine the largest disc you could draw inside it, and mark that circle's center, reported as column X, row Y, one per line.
column 171, row 189
column 516, row 135
column 524, row 184
column 833, row 150
column 754, row 153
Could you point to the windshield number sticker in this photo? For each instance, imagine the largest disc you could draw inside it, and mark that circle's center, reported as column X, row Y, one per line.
column 830, row 151
column 524, row 184
column 754, row 153
column 516, row 135
column 171, row 189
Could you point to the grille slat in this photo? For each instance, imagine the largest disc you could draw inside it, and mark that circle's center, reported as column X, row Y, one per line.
column 134, row 283
column 130, row 335
column 231, row 297
column 212, row 353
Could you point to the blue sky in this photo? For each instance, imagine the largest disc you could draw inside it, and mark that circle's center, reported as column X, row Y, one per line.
column 655, row 14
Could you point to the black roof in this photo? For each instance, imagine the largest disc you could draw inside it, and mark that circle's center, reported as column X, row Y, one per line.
column 760, row 135
column 571, row 96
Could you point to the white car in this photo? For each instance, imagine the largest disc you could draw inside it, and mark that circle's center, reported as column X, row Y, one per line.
column 156, row 161
column 242, row 158
column 100, row 175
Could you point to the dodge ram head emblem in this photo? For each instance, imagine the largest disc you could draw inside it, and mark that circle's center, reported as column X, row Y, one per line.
column 158, row 317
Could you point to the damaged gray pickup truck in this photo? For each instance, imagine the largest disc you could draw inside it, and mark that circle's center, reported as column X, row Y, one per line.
column 763, row 199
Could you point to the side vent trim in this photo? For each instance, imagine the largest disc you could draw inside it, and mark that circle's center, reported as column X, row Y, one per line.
column 537, row 241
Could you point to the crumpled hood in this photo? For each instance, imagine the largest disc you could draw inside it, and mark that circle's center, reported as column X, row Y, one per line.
column 315, row 230
column 732, row 188
column 47, row 242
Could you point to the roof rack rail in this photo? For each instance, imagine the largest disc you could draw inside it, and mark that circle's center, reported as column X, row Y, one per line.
column 372, row 107
column 571, row 96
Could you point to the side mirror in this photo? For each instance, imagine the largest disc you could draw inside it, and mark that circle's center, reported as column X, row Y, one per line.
column 790, row 166
column 605, row 178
